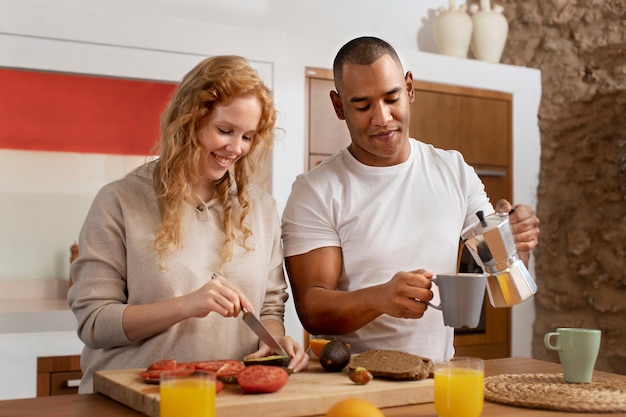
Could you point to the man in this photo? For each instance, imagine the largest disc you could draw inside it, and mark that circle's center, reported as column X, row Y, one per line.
column 365, row 231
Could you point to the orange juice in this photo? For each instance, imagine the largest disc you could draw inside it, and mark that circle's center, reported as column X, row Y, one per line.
column 459, row 392
column 189, row 397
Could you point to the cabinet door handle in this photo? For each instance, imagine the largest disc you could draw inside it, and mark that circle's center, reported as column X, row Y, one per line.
column 491, row 172
column 72, row 383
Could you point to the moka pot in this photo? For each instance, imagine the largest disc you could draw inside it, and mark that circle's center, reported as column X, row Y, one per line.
column 492, row 246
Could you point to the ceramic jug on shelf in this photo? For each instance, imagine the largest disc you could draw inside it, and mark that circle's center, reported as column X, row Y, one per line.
column 453, row 30
column 490, row 30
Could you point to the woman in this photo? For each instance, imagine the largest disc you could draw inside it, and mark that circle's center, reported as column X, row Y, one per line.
column 143, row 288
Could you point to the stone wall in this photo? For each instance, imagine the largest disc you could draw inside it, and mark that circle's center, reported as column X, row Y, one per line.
column 580, row 47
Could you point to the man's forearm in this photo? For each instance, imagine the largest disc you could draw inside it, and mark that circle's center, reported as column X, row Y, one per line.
column 337, row 312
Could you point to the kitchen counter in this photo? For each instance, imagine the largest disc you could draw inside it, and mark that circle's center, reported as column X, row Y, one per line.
column 96, row 405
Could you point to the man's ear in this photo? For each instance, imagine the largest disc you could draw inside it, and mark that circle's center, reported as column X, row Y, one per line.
column 337, row 105
column 408, row 79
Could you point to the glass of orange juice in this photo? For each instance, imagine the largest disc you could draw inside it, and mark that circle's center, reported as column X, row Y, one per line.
column 459, row 387
column 187, row 395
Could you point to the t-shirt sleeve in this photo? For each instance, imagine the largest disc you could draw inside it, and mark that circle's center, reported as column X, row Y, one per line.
column 307, row 219
column 477, row 199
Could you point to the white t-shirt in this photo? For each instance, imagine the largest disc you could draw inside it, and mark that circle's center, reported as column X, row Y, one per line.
column 388, row 219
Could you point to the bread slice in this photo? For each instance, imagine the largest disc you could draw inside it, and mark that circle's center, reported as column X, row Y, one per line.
column 393, row 364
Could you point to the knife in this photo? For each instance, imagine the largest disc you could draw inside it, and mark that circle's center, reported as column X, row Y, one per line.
column 260, row 330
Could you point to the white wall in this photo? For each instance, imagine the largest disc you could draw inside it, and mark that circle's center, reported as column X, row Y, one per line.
column 162, row 39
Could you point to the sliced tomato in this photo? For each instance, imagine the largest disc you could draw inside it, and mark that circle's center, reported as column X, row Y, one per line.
column 225, row 369
column 255, row 379
column 154, row 375
column 183, row 369
column 212, row 366
column 151, row 374
column 165, row 364
column 230, row 368
column 219, row 386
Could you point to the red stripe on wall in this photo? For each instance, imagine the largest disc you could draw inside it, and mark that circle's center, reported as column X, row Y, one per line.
column 78, row 113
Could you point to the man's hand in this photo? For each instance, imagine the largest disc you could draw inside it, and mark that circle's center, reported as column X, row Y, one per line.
column 525, row 226
column 406, row 294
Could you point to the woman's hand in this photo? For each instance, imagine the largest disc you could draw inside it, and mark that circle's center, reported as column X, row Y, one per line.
column 220, row 296
column 299, row 357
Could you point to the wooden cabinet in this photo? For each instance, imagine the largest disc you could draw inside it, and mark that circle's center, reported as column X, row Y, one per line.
column 58, row 375
column 476, row 122
column 326, row 133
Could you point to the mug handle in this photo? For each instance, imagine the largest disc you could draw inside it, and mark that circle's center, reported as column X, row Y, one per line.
column 428, row 303
column 547, row 340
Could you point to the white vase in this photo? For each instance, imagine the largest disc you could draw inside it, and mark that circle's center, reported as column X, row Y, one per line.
column 490, row 30
column 453, row 30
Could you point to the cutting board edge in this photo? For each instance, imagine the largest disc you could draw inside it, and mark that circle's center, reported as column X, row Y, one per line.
column 382, row 393
column 149, row 404
column 419, row 395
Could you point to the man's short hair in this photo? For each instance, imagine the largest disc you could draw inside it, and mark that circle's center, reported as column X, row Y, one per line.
column 362, row 51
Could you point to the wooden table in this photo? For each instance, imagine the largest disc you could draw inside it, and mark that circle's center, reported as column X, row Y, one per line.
column 95, row 405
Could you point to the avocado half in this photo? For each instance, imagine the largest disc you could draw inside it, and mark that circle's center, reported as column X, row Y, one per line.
column 272, row 360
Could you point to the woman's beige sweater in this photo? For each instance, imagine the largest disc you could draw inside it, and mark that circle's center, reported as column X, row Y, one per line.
column 118, row 266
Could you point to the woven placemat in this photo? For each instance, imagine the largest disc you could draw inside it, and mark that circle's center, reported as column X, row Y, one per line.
column 551, row 392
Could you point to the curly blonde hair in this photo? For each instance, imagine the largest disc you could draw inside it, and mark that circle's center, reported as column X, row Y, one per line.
column 212, row 82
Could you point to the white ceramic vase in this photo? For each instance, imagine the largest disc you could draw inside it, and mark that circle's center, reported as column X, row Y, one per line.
column 490, row 30
column 453, row 30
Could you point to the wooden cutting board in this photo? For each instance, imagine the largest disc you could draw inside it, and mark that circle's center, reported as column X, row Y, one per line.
column 306, row 394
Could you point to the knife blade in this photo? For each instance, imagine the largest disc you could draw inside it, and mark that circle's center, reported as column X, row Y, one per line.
column 257, row 327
